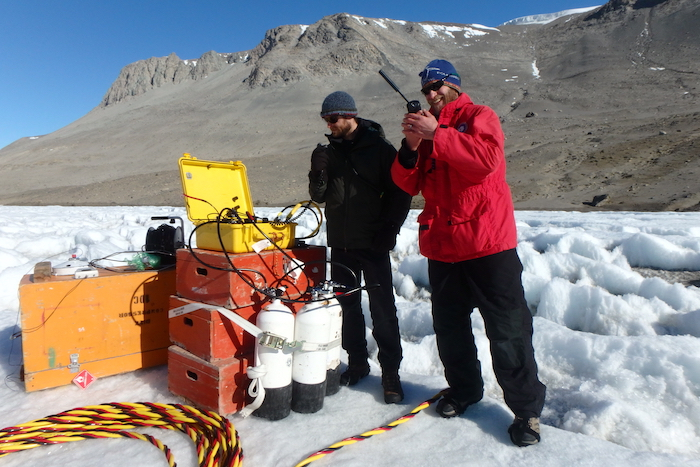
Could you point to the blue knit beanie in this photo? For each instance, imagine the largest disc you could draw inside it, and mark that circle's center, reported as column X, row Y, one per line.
column 440, row 70
column 339, row 103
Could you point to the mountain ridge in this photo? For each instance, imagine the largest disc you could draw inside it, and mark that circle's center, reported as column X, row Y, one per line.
column 602, row 102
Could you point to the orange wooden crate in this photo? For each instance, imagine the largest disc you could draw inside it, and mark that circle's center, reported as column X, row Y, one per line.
column 207, row 283
column 209, row 335
column 114, row 323
column 219, row 386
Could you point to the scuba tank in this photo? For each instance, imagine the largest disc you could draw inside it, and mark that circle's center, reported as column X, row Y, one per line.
column 274, row 365
column 313, row 329
column 336, row 329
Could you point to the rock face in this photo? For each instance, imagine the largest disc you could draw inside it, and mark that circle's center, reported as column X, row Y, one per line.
column 144, row 75
column 603, row 102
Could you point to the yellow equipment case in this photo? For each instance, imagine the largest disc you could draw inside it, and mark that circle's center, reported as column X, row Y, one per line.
column 218, row 202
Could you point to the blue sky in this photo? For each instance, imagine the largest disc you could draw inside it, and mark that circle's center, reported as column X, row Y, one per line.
column 58, row 58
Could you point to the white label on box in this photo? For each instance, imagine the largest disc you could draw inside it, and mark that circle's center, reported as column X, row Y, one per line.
column 293, row 268
column 261, row 245
column 84, row 273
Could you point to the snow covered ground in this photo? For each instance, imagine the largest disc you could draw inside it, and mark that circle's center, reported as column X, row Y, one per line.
column 619, row 352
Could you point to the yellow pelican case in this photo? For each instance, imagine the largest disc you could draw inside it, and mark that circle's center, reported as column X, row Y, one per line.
column 211, row 187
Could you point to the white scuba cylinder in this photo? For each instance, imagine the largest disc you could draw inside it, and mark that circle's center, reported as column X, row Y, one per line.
column 335, row 313
column 275, row 318
column 312, row 330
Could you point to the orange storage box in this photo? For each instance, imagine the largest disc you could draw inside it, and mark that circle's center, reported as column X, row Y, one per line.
column 207, row 276
column 114, row 323
column 219, row 386
column 209, row 335
column 218, row 202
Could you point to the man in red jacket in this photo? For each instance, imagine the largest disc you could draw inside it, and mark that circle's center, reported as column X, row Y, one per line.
column 454, row 156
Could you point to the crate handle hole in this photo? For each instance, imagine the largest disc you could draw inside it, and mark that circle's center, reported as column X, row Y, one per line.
column 202, row 271
column 189, row 322
column 192, row 375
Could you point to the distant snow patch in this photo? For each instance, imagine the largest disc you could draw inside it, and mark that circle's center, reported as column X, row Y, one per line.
column 547, row 17
column 433, row 30
column 382, row 23
column 481, row 26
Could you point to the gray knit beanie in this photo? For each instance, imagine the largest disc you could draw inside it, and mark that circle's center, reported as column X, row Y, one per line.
column 339, row 103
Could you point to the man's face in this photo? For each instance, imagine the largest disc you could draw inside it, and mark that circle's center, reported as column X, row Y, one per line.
column 438, row 96
column 340, row 127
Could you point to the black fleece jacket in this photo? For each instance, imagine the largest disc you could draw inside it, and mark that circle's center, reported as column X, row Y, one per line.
column 364, row 208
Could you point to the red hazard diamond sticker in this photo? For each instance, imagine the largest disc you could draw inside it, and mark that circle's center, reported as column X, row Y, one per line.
column 84, row 379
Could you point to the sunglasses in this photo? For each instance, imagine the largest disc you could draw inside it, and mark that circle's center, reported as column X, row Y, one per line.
column 332, row 118
column 432, row 87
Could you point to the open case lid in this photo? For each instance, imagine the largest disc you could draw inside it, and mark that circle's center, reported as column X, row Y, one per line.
column 209, row 187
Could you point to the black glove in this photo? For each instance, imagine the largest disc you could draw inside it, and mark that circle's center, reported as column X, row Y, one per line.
column 385, row 238
column 407, row 158
column 319, row 159
column 317, row 180
column 318, row 175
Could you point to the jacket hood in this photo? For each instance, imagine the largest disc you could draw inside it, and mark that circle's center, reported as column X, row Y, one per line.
column 363, row 125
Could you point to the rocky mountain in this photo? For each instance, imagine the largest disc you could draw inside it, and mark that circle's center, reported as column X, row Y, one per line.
column 600, row 109
column 144, row 75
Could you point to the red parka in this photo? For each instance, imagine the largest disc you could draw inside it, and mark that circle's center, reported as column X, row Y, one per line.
column 468, row 209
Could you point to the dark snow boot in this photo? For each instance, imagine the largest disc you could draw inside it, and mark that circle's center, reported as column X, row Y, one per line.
column 354, row 373
column 450, row 406
column 393, row 392
column 525, row 431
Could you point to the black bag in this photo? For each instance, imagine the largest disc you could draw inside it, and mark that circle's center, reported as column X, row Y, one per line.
column 164, row 241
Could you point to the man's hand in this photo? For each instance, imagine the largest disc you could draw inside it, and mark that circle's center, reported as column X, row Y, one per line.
column 318, row 175
column 417, row 127
column 385, row 238
column 319, row 159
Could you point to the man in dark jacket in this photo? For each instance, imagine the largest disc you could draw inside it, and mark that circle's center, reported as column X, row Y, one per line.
column 364, row 212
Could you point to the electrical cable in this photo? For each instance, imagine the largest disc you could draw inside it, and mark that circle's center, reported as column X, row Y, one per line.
column 268, row 292
column 357, row 284
column 215, row 438
column 94, row 263
column 305, row 205
column 228, row 257
column 43, row 323
column 368, row 434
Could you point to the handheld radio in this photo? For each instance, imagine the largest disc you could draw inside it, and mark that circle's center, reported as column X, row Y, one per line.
column 412, row 106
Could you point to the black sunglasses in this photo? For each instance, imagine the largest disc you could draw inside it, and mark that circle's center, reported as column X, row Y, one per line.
column 332, row 118
column 432, row 87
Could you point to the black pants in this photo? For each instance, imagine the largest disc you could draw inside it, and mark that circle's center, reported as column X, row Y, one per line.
column 493, row 284
column 376, row 268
